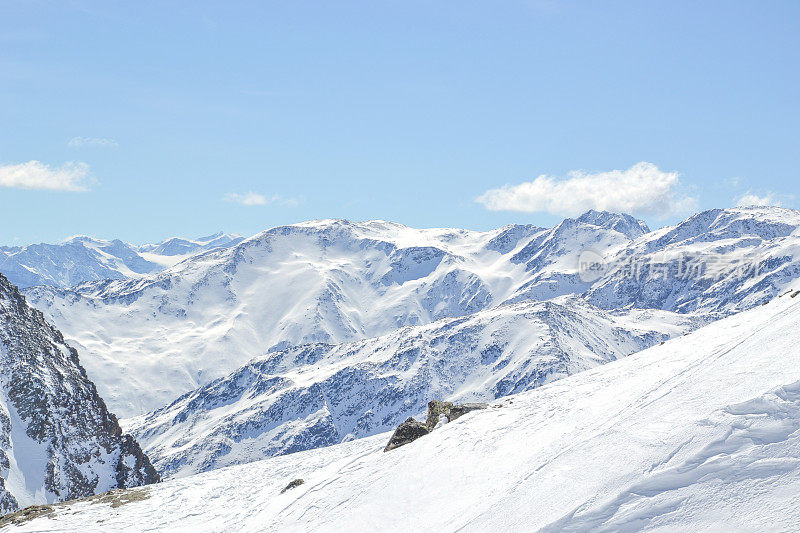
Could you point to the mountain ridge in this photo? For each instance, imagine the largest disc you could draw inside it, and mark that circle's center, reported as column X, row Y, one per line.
column 325, row 281
column 318, row 395
column 337, row 281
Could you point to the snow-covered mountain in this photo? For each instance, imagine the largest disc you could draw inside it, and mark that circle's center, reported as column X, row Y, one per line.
column 57, row 439
column 74, row 261
column 720, row 260
column 183, row 247
column 81, row 259
column 701, row 433
column 329, row 281
column 147, row 341
column 320, row 394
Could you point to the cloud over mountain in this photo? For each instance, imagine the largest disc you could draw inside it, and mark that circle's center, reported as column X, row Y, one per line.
column 642, row 189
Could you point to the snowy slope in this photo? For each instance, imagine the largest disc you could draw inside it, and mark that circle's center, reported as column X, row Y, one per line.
column 57, row 439
column 81, row 259
column 319, row 395
column 699, row 434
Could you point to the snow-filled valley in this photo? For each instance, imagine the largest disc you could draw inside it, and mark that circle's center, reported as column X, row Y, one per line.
column 700, row 433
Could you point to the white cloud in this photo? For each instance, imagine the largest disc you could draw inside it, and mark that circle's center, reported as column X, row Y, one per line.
column 77, row 142
column 251, row 198
column 71, row 176
column 642, row 189
column 749, row 199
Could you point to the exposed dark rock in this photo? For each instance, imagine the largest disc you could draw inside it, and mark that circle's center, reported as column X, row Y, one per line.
column 115, row 498
column 408, row 431
column 436, row 408
column 464, row 408
column 292, row 484
column 120, row 497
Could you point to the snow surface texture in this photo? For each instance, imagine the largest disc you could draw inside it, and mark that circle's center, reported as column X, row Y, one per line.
column 57, row 439
column 81, row 259
column 319, row 394
column 701, row 433
column 147, row 341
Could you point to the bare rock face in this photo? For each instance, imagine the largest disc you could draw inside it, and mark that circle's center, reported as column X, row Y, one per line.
column 436, row 408
column 55, row 431
column 464, row 408
column 408, row 431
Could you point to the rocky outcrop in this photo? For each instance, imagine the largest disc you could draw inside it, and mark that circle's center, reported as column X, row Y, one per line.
column 411, row 429
column 408, row 431
column 293, row 484
column 56, row 433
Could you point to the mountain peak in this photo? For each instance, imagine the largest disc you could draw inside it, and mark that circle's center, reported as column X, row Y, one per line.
column 621, row 222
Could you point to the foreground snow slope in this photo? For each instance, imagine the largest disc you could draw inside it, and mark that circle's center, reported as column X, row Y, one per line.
column 319, row 394
column 701, row 433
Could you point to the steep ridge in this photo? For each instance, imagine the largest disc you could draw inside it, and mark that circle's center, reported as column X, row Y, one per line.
column 57, row 439
column 700, row 433
column 318, row 394
column 551, row 258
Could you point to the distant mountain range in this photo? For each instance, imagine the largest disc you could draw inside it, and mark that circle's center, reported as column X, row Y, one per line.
column 329, row 281
column 315, row 333
column 80, row 259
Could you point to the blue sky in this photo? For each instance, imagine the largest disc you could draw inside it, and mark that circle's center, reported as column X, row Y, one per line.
column 141, row 120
